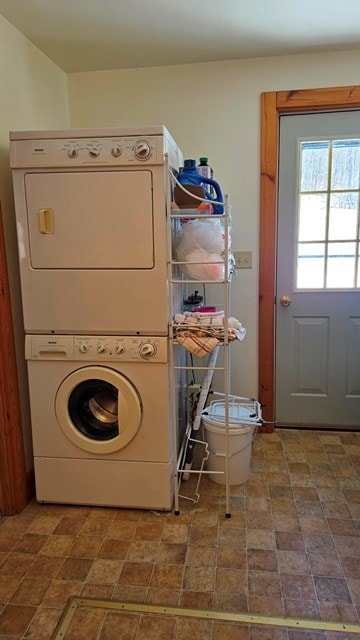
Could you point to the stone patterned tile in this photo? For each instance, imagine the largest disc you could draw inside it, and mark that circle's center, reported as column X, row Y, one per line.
column 287, row 541
column 298, row 587
column 16, row 564
column 230, row 602
column 201, row 556
column 31, row 543
column 117, row 529
column 342, row 527
column 229, row 557
column 308, row 494
column 15, row 619
column 163, row 597
column 286, row 523
column 255, row 520
column 95, row 528
column 85, row 547
column 354, row 588
column 199, row 578
column 60, row 591
column 68, row 527
column 338, row 612
column 136, row 573
column 44, row 567
column 351, row 567
column 323, row 564
column 8, row 586
column 86, row 624
column 308, row 609
column 293, row 562
column 313, row 524
column 31, row 591
column 332, row 590
column 74, row 569
column 113, row 549
column 283, row 506
column 262, row 560
column 203, row 535
column 228, row 631
column 148, row 531
column 176, row 533
column 172, row 553
column 101, row 591
column 142, row 551
column 336, row 510
column 203, row 600
column 155, row 628
column 105, row 571
column 43, row 525
column 119, row 625
column 167, row 576
column 199, row 629
column 316, row 543
column 263, row 583
column 260, row 539
column 57, row 545
column 291, row 547
column 130, row 593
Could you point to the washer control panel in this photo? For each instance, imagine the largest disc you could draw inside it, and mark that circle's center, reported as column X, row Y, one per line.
column 97, row 348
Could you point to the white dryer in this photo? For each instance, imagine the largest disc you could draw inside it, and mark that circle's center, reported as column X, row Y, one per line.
column 91, row 210
column 101, row 420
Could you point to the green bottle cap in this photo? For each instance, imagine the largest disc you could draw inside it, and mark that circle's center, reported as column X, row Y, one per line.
column 204, row 160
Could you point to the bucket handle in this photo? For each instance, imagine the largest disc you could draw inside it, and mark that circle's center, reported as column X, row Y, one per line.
column 249, row 444
column 223, row 455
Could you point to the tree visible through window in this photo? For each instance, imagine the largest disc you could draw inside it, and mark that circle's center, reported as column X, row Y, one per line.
column 328, row 248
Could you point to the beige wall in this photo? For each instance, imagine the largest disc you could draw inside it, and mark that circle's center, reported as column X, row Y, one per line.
column 214, row 110
column 211, row 109
column 33, row 96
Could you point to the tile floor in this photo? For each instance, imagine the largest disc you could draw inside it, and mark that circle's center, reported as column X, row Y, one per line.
column 291, row 548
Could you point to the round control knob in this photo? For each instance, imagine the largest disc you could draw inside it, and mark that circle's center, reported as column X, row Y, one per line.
column 72, row 152
column 101, row 348
column 142, row 150
column 83, row 348
column 94, row 152
column 116, row 151
column 147, row 350
column 119, row 349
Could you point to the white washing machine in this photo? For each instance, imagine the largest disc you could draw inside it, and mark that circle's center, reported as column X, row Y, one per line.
column 91, row 210
column 101, row 420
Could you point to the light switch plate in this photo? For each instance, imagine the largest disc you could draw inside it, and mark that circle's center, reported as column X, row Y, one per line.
column 243, row 259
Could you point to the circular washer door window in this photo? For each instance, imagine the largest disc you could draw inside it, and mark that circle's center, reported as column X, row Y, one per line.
column 98, row 409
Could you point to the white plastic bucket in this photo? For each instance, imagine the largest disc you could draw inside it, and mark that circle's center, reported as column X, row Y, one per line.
column 241, row 436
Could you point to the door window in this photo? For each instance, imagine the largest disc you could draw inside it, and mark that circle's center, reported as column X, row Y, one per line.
column 328, row 253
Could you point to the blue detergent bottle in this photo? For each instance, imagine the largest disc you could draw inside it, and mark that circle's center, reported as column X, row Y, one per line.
column 189, row 175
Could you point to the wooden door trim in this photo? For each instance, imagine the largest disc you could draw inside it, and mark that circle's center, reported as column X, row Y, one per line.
column 13, row 479
column 274, row 104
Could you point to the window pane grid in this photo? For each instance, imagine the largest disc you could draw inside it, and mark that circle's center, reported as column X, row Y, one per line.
column 328, row 233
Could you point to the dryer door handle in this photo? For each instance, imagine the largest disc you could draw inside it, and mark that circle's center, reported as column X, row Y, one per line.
column 46, row 221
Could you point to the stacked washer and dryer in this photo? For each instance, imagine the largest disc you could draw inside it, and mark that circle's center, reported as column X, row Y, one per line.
column 92, row 238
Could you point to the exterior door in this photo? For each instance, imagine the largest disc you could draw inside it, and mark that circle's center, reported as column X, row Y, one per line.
column 318, row 271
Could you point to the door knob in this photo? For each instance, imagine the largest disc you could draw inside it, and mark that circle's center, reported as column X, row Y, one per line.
column 285, row 301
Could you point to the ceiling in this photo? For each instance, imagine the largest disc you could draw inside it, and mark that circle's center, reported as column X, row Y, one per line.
column 89, row 35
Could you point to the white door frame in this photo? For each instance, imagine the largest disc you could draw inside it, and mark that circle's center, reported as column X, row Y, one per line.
column 274, row 104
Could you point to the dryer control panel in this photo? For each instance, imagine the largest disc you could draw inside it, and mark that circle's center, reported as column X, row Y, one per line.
column 75, row 152
column 97, row 348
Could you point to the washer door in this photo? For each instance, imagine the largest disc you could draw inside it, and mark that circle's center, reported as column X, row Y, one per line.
column 98, row 409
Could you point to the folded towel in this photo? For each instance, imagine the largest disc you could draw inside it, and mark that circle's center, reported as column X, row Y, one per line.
column 208, row 324
column 199, row 346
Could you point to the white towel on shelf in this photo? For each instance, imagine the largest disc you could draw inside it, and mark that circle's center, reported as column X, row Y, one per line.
column 200, row 332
